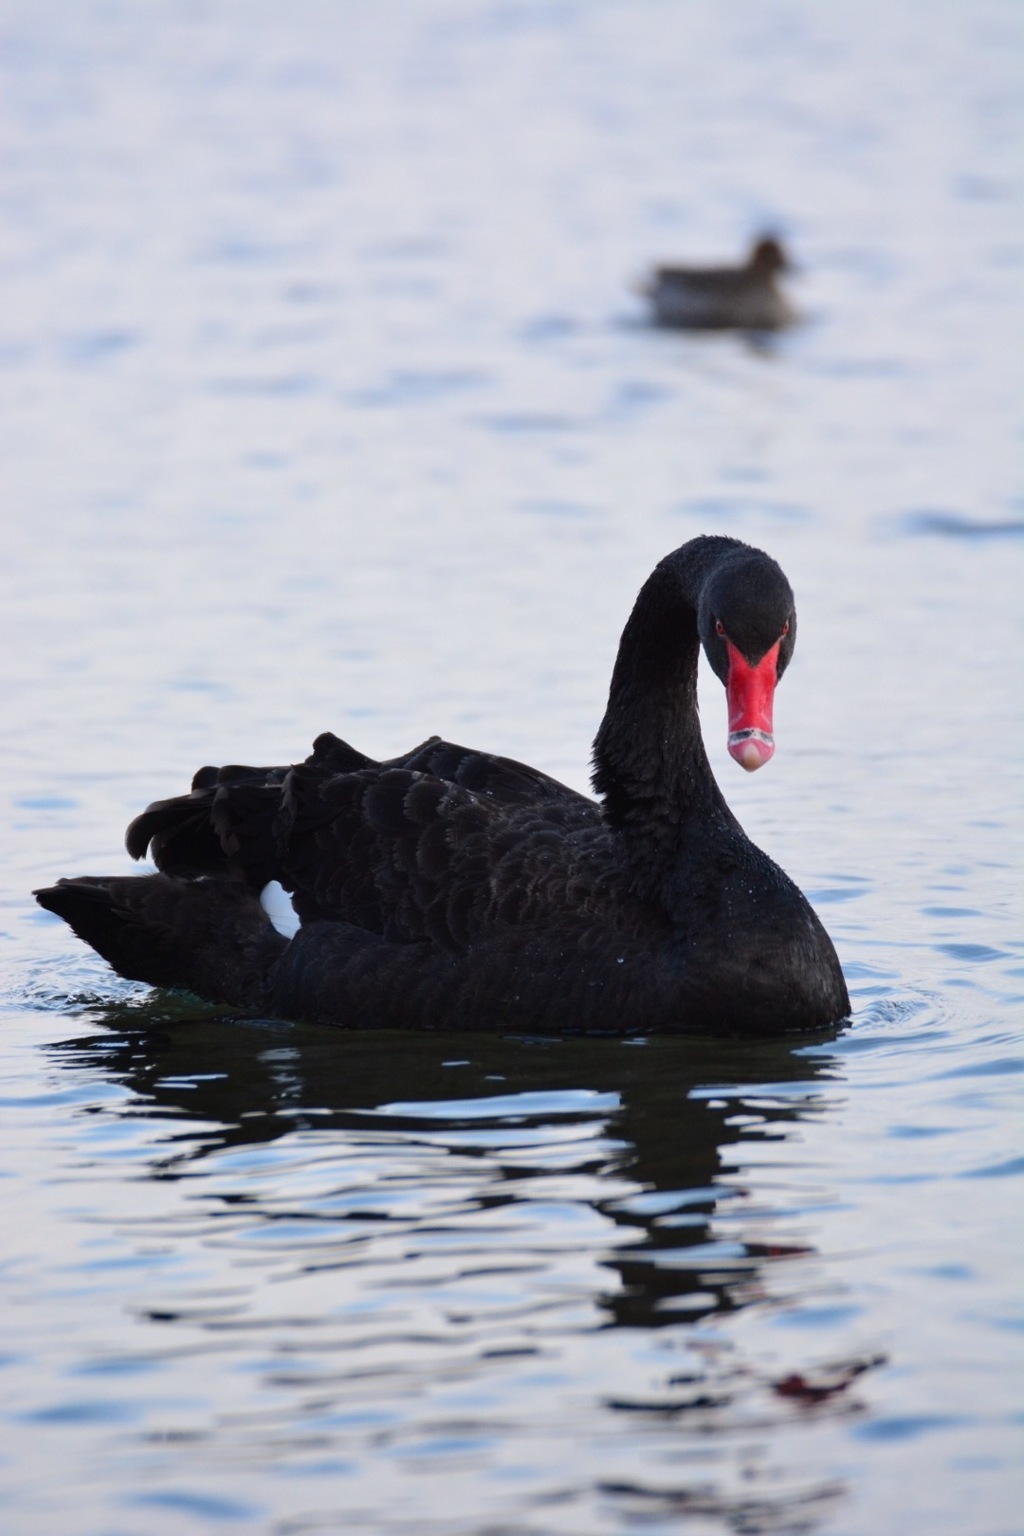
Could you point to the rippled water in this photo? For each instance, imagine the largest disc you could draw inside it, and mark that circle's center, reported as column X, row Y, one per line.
column 327, row 403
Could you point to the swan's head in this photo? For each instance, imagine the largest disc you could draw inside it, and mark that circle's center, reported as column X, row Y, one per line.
column 747, row 622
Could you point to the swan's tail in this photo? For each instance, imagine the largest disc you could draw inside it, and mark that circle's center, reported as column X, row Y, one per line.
column 210, row 937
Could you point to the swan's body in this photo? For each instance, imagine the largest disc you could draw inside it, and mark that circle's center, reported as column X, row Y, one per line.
column 452, row 889
column 746, row 297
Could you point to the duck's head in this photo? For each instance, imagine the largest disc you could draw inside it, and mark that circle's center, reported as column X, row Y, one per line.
column 768, row 256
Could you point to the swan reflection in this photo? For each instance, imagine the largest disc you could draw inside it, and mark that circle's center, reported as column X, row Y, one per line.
column 634, row 1150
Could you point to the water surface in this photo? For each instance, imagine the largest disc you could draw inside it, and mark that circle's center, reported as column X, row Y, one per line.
column 327, row 403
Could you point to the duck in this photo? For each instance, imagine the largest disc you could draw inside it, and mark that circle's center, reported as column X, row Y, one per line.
column 746, row 297
column 459, row 890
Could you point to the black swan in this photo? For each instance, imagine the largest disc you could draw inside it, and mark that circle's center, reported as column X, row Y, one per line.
column 453, row 889
column 746, row 297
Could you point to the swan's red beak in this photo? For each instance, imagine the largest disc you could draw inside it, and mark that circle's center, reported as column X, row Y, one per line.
column 750, row 693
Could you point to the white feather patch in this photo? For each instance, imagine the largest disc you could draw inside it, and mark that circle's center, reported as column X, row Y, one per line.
column 277, row 904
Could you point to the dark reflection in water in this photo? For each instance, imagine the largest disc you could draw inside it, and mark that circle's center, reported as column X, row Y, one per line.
column 666, row 1110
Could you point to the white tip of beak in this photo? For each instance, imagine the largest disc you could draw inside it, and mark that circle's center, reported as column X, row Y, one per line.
column 751, row 749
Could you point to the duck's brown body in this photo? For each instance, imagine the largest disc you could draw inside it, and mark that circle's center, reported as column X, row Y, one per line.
column 747, row 297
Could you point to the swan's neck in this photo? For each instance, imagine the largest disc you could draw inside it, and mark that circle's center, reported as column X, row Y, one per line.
column 650, row 767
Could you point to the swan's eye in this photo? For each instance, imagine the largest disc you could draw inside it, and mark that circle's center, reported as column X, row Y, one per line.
column 785, row 629
column 720, row 627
